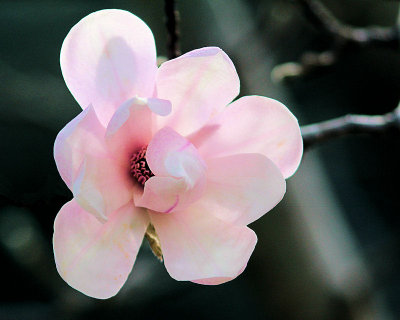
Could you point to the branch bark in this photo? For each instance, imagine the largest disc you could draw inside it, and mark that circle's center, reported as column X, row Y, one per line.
column 350, row 124
column 344, row 36
column 172, row 24
column 323, row 19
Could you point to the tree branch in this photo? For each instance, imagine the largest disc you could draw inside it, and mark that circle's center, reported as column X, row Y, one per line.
column 323, row 19
column 345, row 36
column 172, row 24
column 350, row 124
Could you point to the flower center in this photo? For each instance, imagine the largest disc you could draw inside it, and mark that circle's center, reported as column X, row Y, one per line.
column 139, row 168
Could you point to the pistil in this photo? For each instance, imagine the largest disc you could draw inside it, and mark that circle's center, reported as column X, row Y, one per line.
column 139, row 168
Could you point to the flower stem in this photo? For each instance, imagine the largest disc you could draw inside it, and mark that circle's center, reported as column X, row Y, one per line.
column 154, row 241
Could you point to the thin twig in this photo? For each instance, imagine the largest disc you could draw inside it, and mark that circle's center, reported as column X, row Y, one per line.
column 324, row 20
column 344, row 36
column 350, row 124
column 172, row 24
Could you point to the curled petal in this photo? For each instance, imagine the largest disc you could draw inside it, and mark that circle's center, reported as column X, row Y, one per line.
column 83, row 135
column 108, row 57
column 102, row 186
column 159, row 106
column 97, row 258
column 179, row 173
column 199, row 84
column 242, row 188
column 170, row 154
column 200, row 247
column 131, row 126
column 162, row 194
column 168, row 194
column 254, row 124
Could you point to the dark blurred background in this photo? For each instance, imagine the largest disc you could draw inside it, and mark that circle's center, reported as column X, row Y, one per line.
column 330, row 250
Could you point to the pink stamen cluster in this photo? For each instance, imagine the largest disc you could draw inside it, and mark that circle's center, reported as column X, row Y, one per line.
column 139, row 168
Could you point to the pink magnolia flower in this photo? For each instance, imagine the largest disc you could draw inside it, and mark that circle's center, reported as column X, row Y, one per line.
column 163, row 147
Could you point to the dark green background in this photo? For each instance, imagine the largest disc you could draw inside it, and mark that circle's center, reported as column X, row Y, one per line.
column 280, row 281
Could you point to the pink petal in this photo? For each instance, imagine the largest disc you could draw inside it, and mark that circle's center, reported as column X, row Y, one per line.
column 254, row 124
column 180, row 173
column 170, row 154
column 196, row 245
column 102, row 186
column 159, row 106
column 129, row 129
column 242, row 188
column 161, row 194
column 199, row 84
column 96, row 258
column 168, row 194
column 217, row 280
column 213, row 281
column 108, row 57
column 83, row 135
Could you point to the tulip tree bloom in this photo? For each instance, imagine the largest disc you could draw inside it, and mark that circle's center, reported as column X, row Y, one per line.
column 164, row 150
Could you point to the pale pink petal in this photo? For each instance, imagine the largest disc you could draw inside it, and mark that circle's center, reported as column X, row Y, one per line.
column 159, row 106
column 108, row 57
column 129, row 129
column 97, row 258
column 168, row 194
column 254, row 124
column 170, row 154
column 161, row 194
column 213, row 281
column 217, row 280
column 242, row 188
column 179, row 173
column 102, row 186
column 83, row 135
column 196, row 245
column 199, row 84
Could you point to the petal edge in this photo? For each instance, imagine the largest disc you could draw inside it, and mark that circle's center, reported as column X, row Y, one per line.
column 96, row 258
